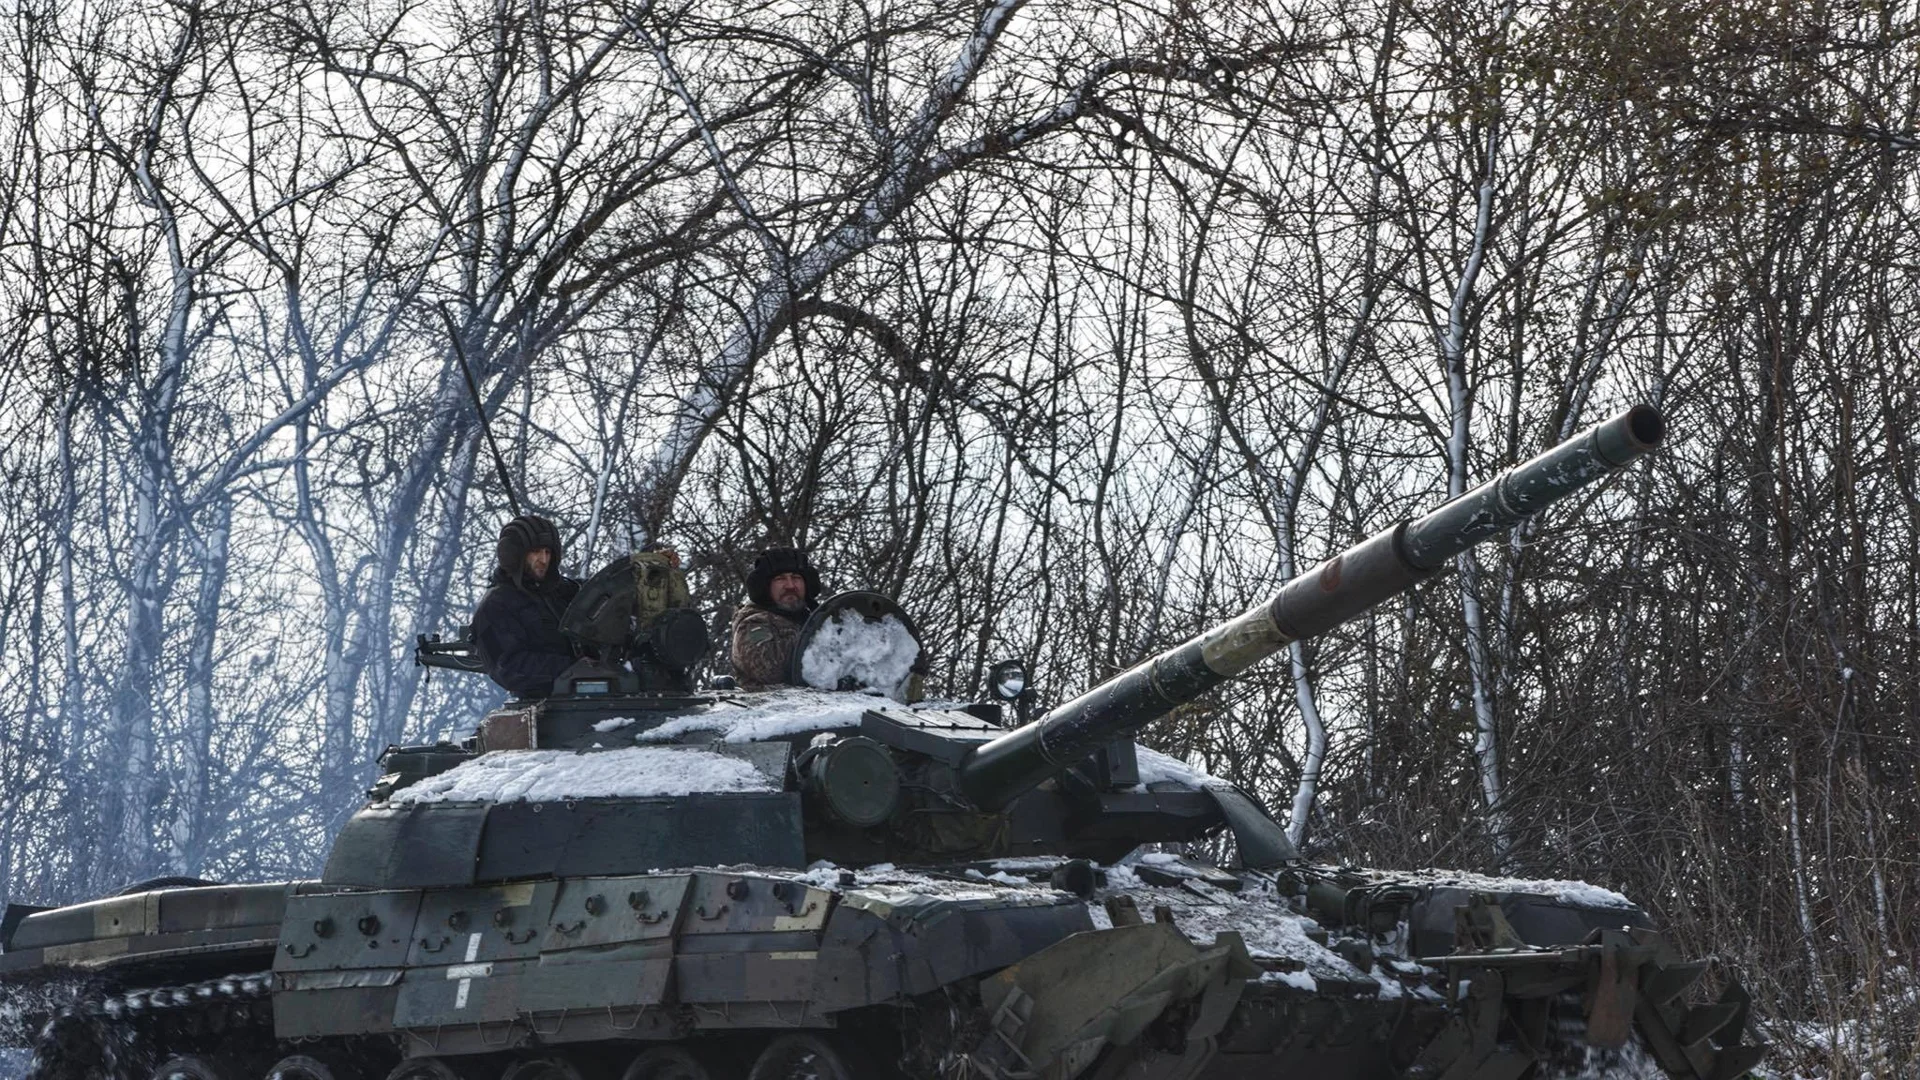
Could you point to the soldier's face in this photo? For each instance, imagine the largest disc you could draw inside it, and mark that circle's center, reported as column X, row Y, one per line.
column 789, row 591
column 537, row 562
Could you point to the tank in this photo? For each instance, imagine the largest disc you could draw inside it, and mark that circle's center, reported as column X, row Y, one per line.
column 632, row 879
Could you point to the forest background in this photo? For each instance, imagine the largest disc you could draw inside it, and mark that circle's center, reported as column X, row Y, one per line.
column 1076, row 329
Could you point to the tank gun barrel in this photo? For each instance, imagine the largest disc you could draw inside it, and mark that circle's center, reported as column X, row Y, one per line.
column 1370, row 572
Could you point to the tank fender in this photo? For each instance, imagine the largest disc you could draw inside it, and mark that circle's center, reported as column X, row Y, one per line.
column 860, row 961
column 887, row 945
column 11, row 919
column 1541, row 921
column 1053, row 1013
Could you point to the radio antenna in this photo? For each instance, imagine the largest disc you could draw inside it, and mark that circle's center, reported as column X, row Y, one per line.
column 473, row 389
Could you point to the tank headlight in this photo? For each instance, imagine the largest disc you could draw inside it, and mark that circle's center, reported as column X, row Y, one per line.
column 1006, row 679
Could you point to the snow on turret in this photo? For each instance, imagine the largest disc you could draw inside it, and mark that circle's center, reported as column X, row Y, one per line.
column 557, row 775
column 868, row 652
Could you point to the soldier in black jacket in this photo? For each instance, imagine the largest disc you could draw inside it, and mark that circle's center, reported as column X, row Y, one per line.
column 516, row 628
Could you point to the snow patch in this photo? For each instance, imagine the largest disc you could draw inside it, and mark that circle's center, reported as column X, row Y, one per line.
column 1572, row 893
column 1045, row 864
column 892, row 885
column 878, row 653
column 1629, row 1062
column 1297, row 979
column 614, row 723
column 1156, row 767
column 778, row 714
column 554, row 775
column 1265, row 923
column 64, row 1027
column 1867, row 1032
column 1000, row 876
column 1264, row 918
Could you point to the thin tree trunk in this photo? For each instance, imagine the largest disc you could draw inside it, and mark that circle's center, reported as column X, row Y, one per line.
column 130, row 740
column 1802, row 897
column 1486, row 747
column 191, row 825
column 72, row 713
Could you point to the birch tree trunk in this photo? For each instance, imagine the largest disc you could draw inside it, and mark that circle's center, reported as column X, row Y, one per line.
column 131, row 723
column 190, row 828
column 72, row 710
column 368, row 654
column 1802, row 895
column 1486, row 746
column 1453, row 351
column 1201, row 481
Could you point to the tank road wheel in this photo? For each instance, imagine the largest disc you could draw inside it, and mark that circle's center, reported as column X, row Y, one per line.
column 432, row 1068
column 666, row 1063
column 802, row 1057
column 542, row 1068
column 320, row 1066
column 195, row 1067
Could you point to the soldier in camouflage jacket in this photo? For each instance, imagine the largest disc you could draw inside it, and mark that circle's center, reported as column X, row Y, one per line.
column 782, row 590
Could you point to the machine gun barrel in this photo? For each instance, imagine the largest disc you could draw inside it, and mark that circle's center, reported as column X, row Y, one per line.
column 1370, row 572
column 455, row 655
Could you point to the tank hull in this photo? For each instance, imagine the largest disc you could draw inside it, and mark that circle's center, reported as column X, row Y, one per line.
column 1157, row 970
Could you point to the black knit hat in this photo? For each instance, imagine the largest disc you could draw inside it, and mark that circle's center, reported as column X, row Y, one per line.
column 773, row 562
column 528, row 532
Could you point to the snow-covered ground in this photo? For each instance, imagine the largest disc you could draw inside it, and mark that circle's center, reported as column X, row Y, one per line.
column 1630, row 1062
column 1878, row 1040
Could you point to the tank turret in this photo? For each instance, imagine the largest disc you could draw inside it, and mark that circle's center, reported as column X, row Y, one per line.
column 867, row 778
column 1376, row 569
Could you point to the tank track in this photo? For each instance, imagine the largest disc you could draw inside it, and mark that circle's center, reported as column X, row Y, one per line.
column 107, row 1031
column 225, row 991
